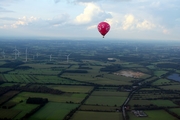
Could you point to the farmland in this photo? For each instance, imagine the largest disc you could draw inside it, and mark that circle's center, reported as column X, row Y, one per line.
column 100, row 80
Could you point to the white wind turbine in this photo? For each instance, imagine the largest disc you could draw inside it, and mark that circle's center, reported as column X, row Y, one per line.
column 15, row 53
column 50, row 57
column 3, row 53
column 68, row 57
column 26, row 54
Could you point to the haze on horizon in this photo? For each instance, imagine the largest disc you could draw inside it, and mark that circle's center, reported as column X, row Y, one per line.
column 129, row 19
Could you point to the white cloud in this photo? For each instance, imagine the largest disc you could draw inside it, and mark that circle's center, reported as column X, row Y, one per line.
column 146, row 25
column 24, row 21
column 92, row 27
column 91, row 13
column 131, row 22
column 128, row 22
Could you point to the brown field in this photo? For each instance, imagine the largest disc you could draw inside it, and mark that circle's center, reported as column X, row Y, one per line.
column 5, row 97
column 129, row 73
column 8, row 114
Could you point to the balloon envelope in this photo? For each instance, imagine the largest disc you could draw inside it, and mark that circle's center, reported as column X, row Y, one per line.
column 103, row 28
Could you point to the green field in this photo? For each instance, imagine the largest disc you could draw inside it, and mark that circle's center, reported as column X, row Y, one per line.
column 107, row 98
column 24, row 108
column 153, row 115
column 175, row 110
column 23, row 78
column 71, row 88
column 171, row 87
column 163, row 82
column 98, row 108
column 53, row 111
column 66, row 97
column 82, row 115
column 159, row 73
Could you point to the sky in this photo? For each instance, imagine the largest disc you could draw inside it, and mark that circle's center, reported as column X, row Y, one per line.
column 129, row 19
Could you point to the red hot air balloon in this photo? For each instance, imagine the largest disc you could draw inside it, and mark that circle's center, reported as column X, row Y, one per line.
column 103, row 28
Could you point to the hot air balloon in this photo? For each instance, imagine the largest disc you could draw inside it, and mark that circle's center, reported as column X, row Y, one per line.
column 103, row 28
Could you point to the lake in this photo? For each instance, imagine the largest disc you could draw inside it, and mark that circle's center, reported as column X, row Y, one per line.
column 174, row 76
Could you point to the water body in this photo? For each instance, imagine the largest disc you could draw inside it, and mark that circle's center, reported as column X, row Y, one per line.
column 174, row 76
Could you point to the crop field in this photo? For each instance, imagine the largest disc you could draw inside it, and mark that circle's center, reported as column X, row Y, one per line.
column 36, row 72
column 139, row 102
column 7, row 96
column 101, row 80
column 24, row 108
column 53, row 111
column 159, row 73
column 106, row 80
column 66, row 97
column 5, row 69
column 107, row 98
column 153, row 95
column 71, row 88
column 98, row 108
column 85, row 115
column 175, row 110
column 23, row 78
column 171, row 87
column 46, row 66
column 110, row 93
column 8, row 114
column 163, row 82
column 153, row 115
column 7, row 84
column 163, row 103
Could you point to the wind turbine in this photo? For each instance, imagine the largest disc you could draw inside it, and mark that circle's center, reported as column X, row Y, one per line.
column 18, row 53
column 37, row 54
column 15, row 53
column 50, row 57
column 68, row 57
column 3, row 53
column 26, row 54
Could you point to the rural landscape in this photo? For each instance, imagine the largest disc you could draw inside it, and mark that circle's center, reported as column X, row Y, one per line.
column 89, row 80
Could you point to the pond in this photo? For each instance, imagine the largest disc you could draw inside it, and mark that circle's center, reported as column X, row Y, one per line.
column 174, row 76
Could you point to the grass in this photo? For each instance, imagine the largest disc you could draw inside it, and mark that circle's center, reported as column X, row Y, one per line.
column 171, row 87
column 175, row 110
column 159, row 73
column 8, row 114
column 105, row 100
column 163, row 103
column 153, row 115
column 159, row 103
column 162, row 82
column 71, row 88
column 98, row 108
column 110, row 93
column 24, row 108
column 23, row 78
column 66, row 97
column 106, row 80
column 53, row 111
column 83, row 115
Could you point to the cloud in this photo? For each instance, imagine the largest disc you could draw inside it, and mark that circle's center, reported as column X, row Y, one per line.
column 145, row 25
column 35, row 22
column 131, row 22
column 92, row 27
column 91, row 13
column 24, row 21
column 59, row 20
column 128, row 22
